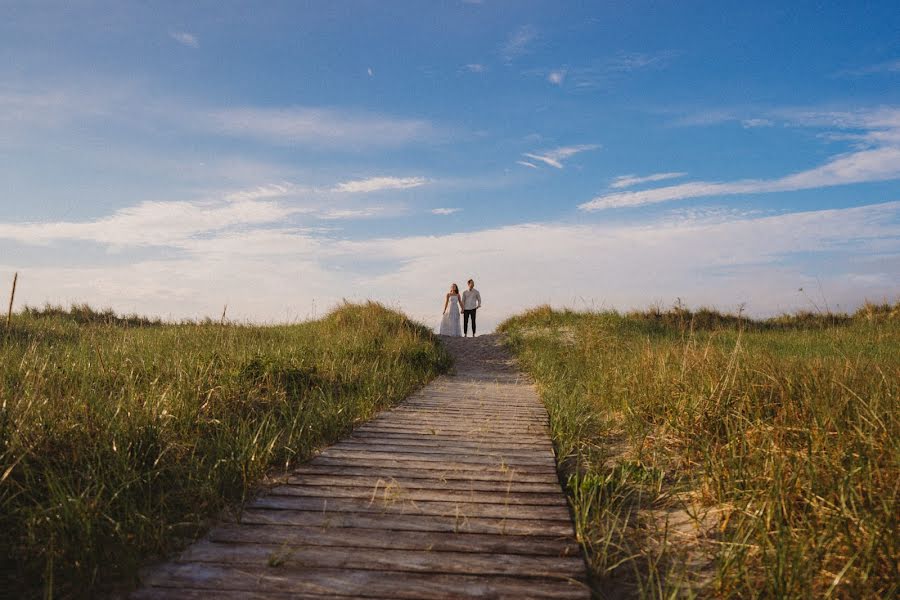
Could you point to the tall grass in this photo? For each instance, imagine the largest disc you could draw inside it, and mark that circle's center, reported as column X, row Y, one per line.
column 120, row 437
column 778, row 440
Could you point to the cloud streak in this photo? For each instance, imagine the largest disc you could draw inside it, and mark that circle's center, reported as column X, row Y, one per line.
column 377, row 184
column 301, row 125
column 554, row 158
column 624, row 181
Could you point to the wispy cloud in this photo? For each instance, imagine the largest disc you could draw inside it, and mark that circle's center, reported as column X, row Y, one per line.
column 876, row 133
column 154, row 223
column 555, row 157
column 518, row 43
column 185, row 38
column 753, row 123
column 352, row 213
column 889, row 66
column 879, row 164
column 444, row 211
column 475, row 68
column 311, row 125
column 273, row 190
column 377, row 184
column 603, row 72
column 624, row 181
column 525, row 163
column 557, row 77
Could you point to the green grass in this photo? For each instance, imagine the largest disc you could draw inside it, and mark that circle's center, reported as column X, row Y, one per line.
column 779, row 438
column 121, row 438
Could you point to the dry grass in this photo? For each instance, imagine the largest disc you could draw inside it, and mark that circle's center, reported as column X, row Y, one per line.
column 772, row 448
column 120, row 438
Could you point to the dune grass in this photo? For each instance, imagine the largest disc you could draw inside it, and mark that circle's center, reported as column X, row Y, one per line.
column 714, row 456
column 121, row 437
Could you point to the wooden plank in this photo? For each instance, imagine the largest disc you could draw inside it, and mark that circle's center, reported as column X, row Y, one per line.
column 504, row 442
column 426, row 541
column 369, row 482
column 408, row 522
column 444, row 467
column 513, row 477
column 297, row 557
column 378, row 445
column 361, row 583
column 497, row 459
column 542, row 445
column 387, row 491
column 413, row 507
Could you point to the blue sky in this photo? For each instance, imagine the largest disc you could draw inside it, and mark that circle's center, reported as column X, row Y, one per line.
column 170, row 158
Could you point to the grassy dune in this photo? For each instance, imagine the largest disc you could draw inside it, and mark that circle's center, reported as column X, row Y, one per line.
column 120, row 438
column 707, row 454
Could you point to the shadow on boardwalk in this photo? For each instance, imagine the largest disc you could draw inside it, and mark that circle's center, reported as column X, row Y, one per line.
column 451, row 494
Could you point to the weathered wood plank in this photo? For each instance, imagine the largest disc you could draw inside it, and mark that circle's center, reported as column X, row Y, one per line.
column 444, row 467
column 412, row 507
column 426, row 541
column 371, row 482
column 262, row 555
column 387, row 492
column 513, row 476
column 497, row 459
column 377, row 445
column 408, row 522
column 361, row 583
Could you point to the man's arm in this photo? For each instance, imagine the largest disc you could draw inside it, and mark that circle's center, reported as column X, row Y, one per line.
column 478, row 298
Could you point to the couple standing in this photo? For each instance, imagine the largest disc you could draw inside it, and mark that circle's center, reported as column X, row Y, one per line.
column 466, row 304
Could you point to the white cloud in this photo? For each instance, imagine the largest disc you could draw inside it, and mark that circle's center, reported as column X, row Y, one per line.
column 525, row 163
column 273, row 190
column 352, row 213
column 318, row 126
column 369, row 72
column 185, row 38
column 752, row 123
column 444, row 211
column 377, row 184
column 267, row 271
column 890, row 66
column 517, row 44
column 878, row 164
column 154, row 223
column 557, row 77
column 624, row 181
column 475, row 68
column 555, row 157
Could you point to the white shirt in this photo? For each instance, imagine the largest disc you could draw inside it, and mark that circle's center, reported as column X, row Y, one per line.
column 471, row 299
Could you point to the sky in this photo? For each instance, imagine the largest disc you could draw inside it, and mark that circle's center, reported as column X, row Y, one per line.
column 172, row 158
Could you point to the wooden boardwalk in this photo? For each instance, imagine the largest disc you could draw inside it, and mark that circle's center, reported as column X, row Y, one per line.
column 452, row 494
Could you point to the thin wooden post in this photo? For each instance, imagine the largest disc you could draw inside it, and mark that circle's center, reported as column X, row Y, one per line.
column 12, row 297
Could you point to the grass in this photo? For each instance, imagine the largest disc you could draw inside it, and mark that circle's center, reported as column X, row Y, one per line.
column 710, row 455
column 121, row 438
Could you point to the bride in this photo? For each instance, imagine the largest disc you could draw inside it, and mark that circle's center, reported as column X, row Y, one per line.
column 450, row 320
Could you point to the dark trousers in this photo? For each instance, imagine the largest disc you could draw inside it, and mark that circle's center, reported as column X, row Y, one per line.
column 466, row 314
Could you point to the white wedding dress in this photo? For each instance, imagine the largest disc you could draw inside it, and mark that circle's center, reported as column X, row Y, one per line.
column 450, row 321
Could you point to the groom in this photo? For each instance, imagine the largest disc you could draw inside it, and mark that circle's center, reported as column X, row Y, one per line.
column 471, row 301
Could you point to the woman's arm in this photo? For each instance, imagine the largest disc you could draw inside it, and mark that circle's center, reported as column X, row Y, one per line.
column 446, row 302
